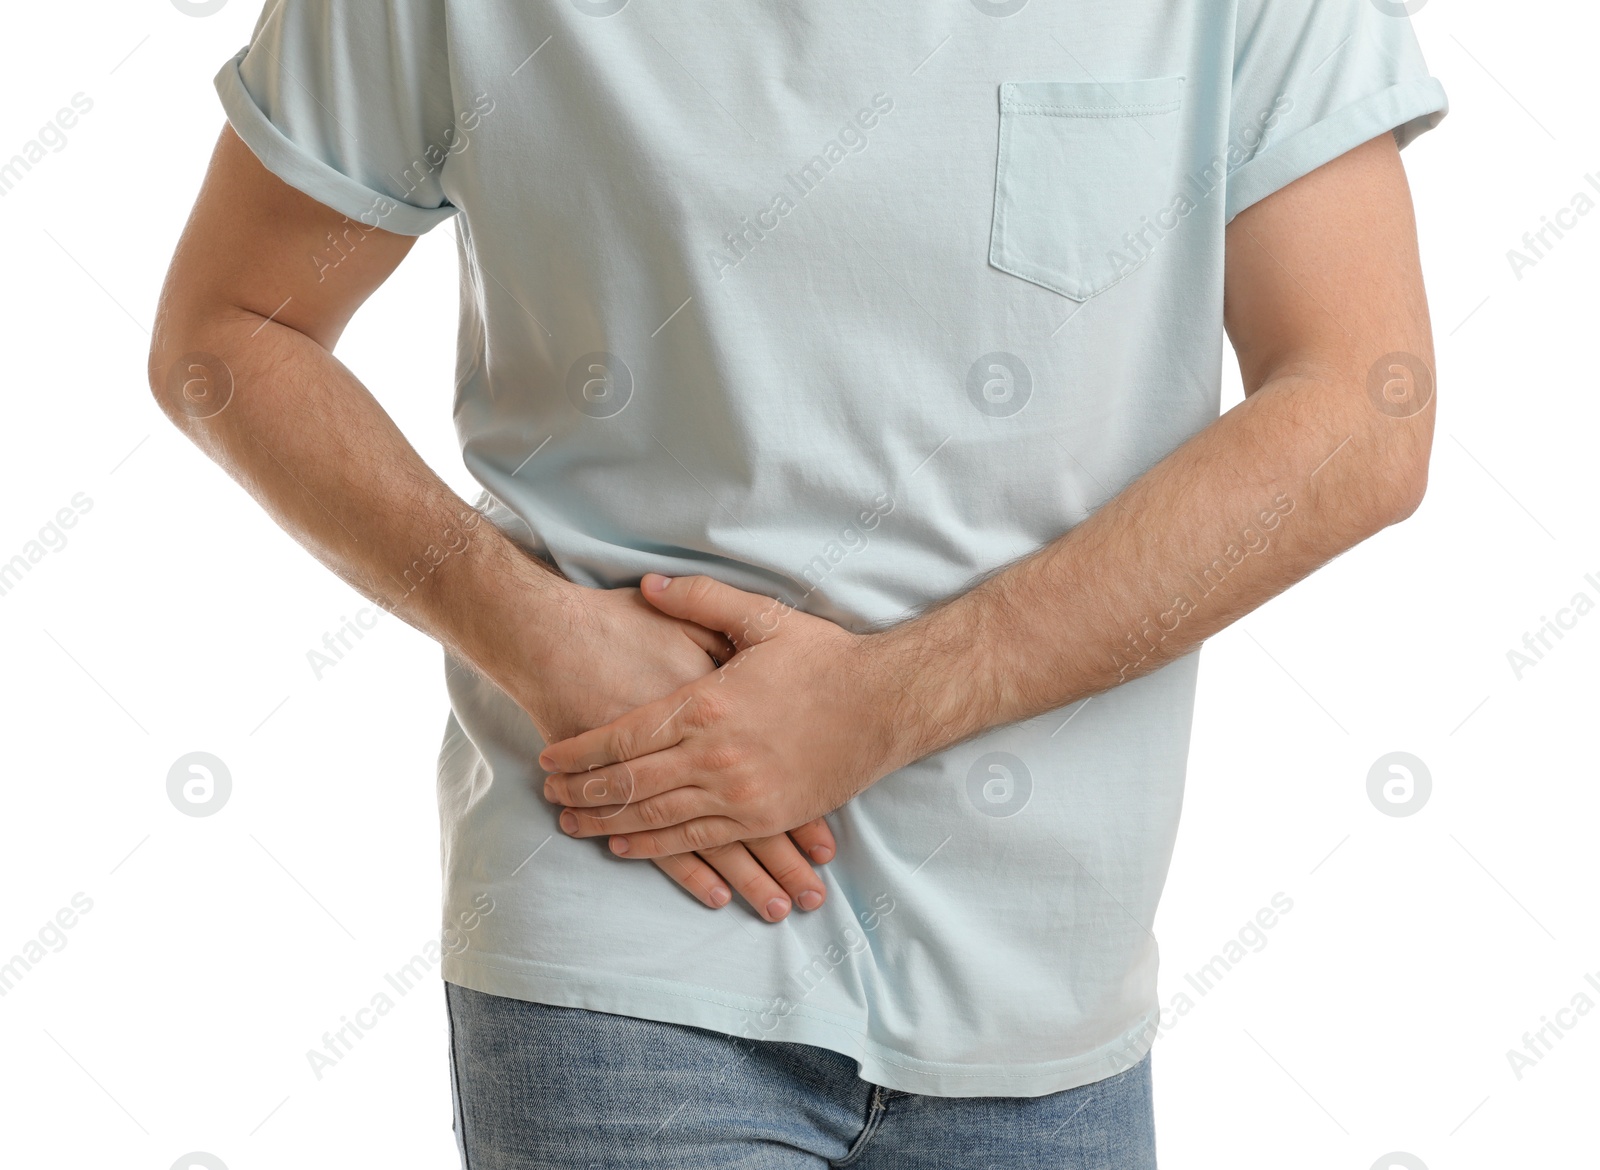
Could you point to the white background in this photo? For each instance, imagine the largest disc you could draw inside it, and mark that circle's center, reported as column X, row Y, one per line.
column 177, row 1015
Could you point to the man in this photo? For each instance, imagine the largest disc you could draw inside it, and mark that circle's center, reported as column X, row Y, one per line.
column 843, row 380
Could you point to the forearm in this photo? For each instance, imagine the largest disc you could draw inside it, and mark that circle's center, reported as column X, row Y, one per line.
column 1301, row 471
column 319, row 453
column 1330, row 446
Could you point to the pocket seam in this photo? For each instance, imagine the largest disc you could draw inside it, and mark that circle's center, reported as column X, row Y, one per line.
column 998, row 232
column 1091, row 111
column 1008, row 105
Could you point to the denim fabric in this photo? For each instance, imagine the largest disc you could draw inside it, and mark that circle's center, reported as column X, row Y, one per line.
column 540, row 1087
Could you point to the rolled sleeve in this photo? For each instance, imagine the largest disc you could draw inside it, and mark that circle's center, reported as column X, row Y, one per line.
column 1316, row 78
column 351, row 105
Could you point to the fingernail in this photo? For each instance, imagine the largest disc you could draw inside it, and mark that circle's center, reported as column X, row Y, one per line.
column 821, row 853
column 569, row 821
column 719, row 895
column 619, row 845
column 810, row 899
column 777, row 908
column 656, row 583
column 544, row 762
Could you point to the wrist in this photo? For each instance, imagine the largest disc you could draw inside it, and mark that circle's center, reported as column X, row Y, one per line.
column 504, row 611
column 933, row 687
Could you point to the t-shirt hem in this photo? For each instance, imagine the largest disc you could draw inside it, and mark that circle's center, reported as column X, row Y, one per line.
column 1407, row 109
column 739, row 1015
column 310, row 175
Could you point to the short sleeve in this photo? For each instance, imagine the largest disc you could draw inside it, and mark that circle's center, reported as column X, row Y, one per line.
column 351, row 104
column 1313, row 79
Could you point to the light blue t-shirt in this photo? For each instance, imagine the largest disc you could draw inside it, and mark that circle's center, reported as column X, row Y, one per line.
column 848, row 303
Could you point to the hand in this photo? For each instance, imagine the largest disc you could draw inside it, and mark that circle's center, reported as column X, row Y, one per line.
column 617, row 652
column 791, row 727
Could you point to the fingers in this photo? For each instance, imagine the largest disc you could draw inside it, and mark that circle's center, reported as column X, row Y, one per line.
column 754, row 882
column 697, row 877
column 715, row 644
column 768, row 873
column 747, row 618
column 815, row 840
column 780, row 858
column 650, row 728
column 617, row 784
column 668, row 811
column 695, row 836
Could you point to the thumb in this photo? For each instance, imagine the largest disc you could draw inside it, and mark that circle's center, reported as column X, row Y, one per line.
column 747, row 618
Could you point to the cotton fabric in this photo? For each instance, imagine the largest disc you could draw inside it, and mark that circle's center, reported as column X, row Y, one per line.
column 846, row 303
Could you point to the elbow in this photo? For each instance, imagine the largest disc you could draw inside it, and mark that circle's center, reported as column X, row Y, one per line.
column 1399, row 482
column 158, row 366
column 1401, row 444
column 1407, row 493
column 188, row 383
column 163, row 368
column 167, row 366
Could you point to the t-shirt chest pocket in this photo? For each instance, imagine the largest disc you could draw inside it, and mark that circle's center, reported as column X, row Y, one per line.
column 1079, row 163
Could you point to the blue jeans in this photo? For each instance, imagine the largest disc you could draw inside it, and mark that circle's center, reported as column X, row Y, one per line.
column 538, row 1086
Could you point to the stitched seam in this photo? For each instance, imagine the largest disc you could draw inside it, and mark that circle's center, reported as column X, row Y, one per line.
column 879, row 1052
column 455, row 1081
column 1090, row 111
column 876, row 1109
column 998, row 237
column 1037, row 274
column 668, row 987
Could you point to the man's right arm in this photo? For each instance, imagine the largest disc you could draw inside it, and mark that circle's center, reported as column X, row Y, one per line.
column 241, row 360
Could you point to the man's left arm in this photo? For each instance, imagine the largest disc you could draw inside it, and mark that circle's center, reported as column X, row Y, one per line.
column 1325, row 308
